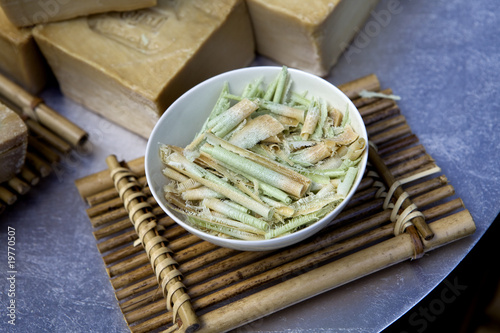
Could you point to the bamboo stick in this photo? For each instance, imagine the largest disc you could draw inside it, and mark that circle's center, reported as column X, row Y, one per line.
column 132, row 277
column 29, row 176
column 406, row 167
column 129, row 264
column 120, row 213
column 37, row 110
column 109, row 193
column 18, row 185
column 43, row 150
column 403, row 155
column 380, row 115
column 384, row 124
column 7, row 196
column 330, row 276
column 352, row 89
column 136, row 288
column 431, row 197
column 427, row 186
column 391, row 134
column 109, row 244
column 42, row 167
column 52, row 139
column 148, row 236
column 104, row 207
column 100, row 181
column 420, row 165
column 393, row 146
column 124, row 224
column 389, row 179
column 379, row 105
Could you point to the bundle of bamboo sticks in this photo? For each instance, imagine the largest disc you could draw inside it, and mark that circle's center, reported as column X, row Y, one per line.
column 225, row 286
column 50, row 137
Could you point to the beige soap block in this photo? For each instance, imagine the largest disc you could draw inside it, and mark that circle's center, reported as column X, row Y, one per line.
column 309, row 35
column 20, row 58
column 29, row 12
column 129, row 67
column 13, row 143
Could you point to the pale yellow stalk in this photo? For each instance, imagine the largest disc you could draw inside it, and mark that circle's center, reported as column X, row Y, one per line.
column 256, row 130
column 179, row 163
column 272, row 165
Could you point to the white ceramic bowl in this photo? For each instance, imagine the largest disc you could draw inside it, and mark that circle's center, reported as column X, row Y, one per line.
column 185, row 117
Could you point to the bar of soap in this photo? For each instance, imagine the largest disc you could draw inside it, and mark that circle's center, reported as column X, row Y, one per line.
column 13, row 143
column 308, row 35
column 29, row 12
column 129, row 67
column 20, row 58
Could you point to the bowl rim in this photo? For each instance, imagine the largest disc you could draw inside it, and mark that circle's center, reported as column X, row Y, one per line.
column 265, row 244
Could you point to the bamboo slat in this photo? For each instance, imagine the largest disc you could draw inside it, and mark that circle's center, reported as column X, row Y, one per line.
column 229, row 288
column 51, row 137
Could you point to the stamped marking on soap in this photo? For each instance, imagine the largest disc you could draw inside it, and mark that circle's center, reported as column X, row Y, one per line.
column 136, row 29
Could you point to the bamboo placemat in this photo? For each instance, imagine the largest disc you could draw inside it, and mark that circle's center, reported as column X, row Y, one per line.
column 51, row 137
column 218, row 289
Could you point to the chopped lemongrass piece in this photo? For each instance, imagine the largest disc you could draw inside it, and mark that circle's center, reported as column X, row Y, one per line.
column 355, row 149
column 292, row 224
column 312, row 155
column 256, row 170
column 336, row 117
column 256, row 130
column 323, row 114
column 347, row 182
column 282, row 110
column 206, row 178
column 200, row 193
column 312, row 118
column 225, row 122
column 369, row 94
column 300, row 99
column 280, row 87
column 228, row 210
column 220, row 219
column 234, row 233
column 172, row 174
column 346, row 137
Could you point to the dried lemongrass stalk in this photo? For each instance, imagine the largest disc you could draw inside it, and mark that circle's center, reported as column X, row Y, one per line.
column 282, row 110
column 200, row 193
column 336, row 117
column 312, row 155
column 356, row 149
column 256, row 130
column 261, row 160
column 312, row 119
column 179, row 162
column 225, row 122
column 229, row 211
column 256, row 170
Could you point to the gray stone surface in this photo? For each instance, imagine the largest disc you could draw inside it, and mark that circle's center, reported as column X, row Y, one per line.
column 441, row 57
